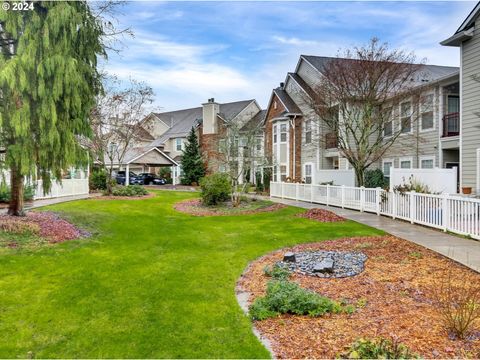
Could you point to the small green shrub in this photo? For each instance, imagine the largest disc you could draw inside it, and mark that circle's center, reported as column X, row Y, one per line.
column 98, row 180
column 288, row 297
column 378, row 348
column 215, row 189
column 130, row 190
column 28, row 193
column 277, row 272
column 375, row 178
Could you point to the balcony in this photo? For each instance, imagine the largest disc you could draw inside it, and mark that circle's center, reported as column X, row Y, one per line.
column 451, row 124
column 331, row 141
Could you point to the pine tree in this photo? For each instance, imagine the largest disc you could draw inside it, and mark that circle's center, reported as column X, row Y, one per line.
column 48, row 84
column 192, row 163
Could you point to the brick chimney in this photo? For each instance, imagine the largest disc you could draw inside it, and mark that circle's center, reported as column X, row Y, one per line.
column 210, row 112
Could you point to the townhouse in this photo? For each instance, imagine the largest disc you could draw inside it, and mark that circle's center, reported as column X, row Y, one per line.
column 467, row 39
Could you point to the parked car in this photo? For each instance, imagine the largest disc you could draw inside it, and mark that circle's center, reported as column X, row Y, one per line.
column 159, row 181
column 149, row 179
column 120, row 177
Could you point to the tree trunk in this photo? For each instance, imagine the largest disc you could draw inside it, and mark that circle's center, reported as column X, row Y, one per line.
column 15, row 208
column 360, row 175
column 109, row 181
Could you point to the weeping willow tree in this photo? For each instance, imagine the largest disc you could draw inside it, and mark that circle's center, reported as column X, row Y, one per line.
column 48, row 84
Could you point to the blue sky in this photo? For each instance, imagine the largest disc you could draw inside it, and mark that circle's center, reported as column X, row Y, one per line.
column 191, row 51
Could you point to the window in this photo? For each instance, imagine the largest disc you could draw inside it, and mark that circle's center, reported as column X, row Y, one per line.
column 388, row 127
column 427, row 162
column 283, row 172
column 178, row 144
column 405, row 117
column 275, row 134
column 243, row 142
column 387, row 165
column 308, row 131
column 427, row 112
column 405, row 163
column 258, row 144
column 308, row 173
column 275, row 175
column 283, row 133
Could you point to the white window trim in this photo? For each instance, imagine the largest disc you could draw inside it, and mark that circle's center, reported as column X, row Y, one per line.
column 388, row 160
column 304, row 175
column 305, row 132
column 434, row 103
column 426, row 157
column 400, row 118
column 405, row 158
column 392, row 120
column 176, row 144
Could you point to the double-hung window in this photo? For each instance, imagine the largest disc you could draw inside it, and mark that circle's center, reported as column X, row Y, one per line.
column 178, row 144
column 308, row 173
column 406, row 117
column 388, row 126
column 283, row 133
column 427, row 112
column 308, row 131
column 405, row 163
column 275, row 128
column 387, row 165
column 427, row 162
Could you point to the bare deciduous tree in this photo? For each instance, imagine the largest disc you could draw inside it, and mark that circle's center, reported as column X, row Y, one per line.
column 118, row 122
column 368, row 96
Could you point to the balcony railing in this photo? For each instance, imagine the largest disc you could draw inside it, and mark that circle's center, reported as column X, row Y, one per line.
column 451, row 124
column 331, row 141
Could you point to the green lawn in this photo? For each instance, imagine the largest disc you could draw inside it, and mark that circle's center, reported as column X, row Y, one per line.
column 150, row 283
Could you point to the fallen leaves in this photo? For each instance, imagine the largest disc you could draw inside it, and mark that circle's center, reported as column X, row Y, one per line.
column 395, row 291
column 321, row 215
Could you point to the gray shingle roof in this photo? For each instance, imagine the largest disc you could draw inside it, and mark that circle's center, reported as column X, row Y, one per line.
column 426, row 73
column 256, row 122
column 287, row 101
column 182, row 121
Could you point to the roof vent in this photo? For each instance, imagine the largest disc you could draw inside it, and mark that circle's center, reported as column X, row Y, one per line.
column 282, row 84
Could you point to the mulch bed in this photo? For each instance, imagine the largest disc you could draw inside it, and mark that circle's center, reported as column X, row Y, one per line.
column 396, row 286
column 321, row 215
column 195, row 207
column 45, row 224
column 111, row 197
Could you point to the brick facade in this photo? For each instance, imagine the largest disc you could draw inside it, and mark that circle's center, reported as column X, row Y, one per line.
column 209, row 147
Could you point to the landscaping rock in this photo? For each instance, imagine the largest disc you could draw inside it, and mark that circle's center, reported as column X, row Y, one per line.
column 289, row 257
column 327, row 264
column 324, row 266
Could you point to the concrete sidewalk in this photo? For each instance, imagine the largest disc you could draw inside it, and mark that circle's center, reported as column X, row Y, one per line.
column 462, row 250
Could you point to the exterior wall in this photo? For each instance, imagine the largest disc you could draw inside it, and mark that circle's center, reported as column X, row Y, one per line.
column 272, row 113
column 171, row 147
column 158, row 128
column 210, row 119
column 308, row 73
column 247, row 113
column 209, row 144
column 470, row 100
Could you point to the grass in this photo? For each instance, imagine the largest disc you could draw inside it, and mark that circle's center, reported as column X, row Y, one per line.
column 150, row 283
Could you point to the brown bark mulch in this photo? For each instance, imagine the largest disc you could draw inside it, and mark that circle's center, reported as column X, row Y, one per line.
column 393, row 297
column 321, row 215
column 195, row 207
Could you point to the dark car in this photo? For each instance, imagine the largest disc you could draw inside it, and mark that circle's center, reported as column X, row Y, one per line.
column 120, row 177
column 148, row 179
column 159, row 181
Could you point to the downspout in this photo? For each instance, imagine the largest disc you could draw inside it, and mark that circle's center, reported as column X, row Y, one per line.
column 292, row 123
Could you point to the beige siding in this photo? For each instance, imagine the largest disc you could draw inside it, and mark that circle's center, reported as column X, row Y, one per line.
column 309, row 74
column 470, row 108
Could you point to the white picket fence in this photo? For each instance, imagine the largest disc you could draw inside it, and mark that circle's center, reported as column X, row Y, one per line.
column 446, row 212
column 68, row 187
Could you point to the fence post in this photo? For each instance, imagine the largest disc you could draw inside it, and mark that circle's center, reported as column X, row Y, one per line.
column 296, row 190
column 362, row 198
column 411, row 195
column 394, row 203
column 282, row 190
column 378, row 199
column 343, row 196
column 328, row 195
column 311, row 193
column 445, row 212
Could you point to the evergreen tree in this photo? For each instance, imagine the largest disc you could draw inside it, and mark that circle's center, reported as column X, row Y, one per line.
column 48, row 84
column 192, row 164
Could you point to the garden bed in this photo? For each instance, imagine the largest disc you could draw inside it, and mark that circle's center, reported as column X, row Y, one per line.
column 321, row 215
column 36, row 228
column 196, row 208
column 393, row 297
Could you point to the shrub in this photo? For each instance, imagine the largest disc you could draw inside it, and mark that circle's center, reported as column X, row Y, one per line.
column 378, row 348
column 28, row 193
column 375, row 178
column 277, row 272
column 458, row 301
column 412, row 185
column 288, row 297
column 130, row 190
column 98, row 180
column 215, row 189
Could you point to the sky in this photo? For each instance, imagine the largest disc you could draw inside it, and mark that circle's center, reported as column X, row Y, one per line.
column 189, row 52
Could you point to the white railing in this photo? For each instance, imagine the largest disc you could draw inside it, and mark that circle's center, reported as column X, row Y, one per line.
column 446, row 212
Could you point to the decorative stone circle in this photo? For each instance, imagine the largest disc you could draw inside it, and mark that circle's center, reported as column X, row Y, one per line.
column 325, row 264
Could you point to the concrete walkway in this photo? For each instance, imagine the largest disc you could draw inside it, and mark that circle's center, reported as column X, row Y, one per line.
column 462, row 250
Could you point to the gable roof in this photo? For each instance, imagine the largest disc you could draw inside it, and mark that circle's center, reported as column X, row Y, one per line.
column 256, row 122
column 287, row 101
column 182, row 121
column 465, row 31
column 427, row 73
